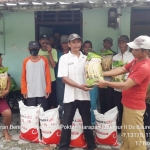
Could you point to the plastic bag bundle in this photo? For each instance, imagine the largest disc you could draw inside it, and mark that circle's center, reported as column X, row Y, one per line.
column 106, row 129
column 118, row 78
column 50, row 126
column 29, row 118
column 77, row 136
column 93, row 69
column 3, row 79
column 107, row 60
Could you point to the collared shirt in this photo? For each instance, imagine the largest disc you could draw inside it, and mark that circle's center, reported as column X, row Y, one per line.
column 54, row 54
column 127, row 57
column 74, row 68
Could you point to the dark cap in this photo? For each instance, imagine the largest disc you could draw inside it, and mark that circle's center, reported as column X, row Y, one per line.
column 73, row 37
column 123, row 38
column 108, row 39
column 43, row 36
column 64, row 39
column 1, row 54
column 33, row 44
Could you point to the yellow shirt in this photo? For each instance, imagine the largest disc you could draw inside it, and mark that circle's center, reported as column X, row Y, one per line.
column 54, row 54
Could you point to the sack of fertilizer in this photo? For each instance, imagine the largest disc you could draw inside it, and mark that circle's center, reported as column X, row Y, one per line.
column 50, row 126
column 77, row 136
column 105, row 127
column 29, row 118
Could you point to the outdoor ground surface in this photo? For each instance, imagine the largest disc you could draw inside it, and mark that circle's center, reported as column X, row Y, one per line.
column 18, row 144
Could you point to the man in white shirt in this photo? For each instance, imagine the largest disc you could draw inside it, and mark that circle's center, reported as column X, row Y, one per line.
column 126, row 56
column 71, row 70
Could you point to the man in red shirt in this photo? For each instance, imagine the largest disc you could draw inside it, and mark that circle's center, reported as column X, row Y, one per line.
column 133, row 94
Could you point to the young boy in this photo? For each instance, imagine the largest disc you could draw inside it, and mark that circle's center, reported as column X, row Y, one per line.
column 71, row 70
column 4, row 108
column 36, row 80
column 87, row 46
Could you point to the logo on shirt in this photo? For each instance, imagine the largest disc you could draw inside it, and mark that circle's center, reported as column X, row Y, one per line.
column 70, row 63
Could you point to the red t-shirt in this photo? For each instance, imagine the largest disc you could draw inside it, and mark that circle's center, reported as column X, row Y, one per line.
column 139, row 72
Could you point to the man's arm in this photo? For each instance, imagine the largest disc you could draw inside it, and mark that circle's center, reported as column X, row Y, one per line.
column 48, row 78
column 118, row 85
column 115, row 72
column 52, row 62
column 70, row 82
column 23, row 81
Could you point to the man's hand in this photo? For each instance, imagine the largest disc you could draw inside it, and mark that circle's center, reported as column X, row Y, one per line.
column 49, row 48
column 101, row 83
column 47, row 95
column 25, row 96
column 4, row 93
column 85, row 88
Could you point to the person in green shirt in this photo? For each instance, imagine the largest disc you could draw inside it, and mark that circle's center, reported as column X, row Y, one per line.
column 51, row 54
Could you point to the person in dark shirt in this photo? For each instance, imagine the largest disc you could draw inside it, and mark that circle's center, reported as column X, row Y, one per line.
column 106, row 94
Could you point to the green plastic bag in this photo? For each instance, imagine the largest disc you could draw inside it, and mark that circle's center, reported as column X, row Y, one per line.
column 93, row 69
column 13, row 84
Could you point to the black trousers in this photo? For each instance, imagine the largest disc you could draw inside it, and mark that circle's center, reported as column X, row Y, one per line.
column 106, row 99
column 36, row 101
column 147, row 121
column 52, row 99
column 69, row 112
column 117, row 102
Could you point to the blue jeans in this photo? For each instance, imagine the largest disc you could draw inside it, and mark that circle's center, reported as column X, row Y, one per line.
column 94, row 98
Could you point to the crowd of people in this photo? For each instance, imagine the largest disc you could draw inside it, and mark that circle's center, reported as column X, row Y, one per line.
column 54, row 75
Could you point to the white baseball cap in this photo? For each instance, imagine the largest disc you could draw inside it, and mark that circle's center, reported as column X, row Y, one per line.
column 142, row 41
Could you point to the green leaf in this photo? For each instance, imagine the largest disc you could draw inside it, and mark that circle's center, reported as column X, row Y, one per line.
column 118, row 63
column 2, row 70
column 106, row 52
column 93, row 55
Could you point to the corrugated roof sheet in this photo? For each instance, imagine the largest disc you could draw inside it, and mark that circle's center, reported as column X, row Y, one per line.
column 69, row 4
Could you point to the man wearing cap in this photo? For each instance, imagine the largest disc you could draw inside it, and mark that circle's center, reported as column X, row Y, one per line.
column 51, row 54
column 71, row 70
column 133, row 93
column 4, row 108
column 108, row 43
column 126, row 56
column 35, row 80
column 105, row 95
column 60, row 86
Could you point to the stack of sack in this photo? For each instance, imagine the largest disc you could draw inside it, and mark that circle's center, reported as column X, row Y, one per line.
column 33, row 119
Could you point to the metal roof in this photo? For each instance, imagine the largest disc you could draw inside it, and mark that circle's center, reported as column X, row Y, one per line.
column 68, row 4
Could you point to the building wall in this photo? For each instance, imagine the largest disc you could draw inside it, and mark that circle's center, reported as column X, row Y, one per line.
column 95, row 27
column 19, row 29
